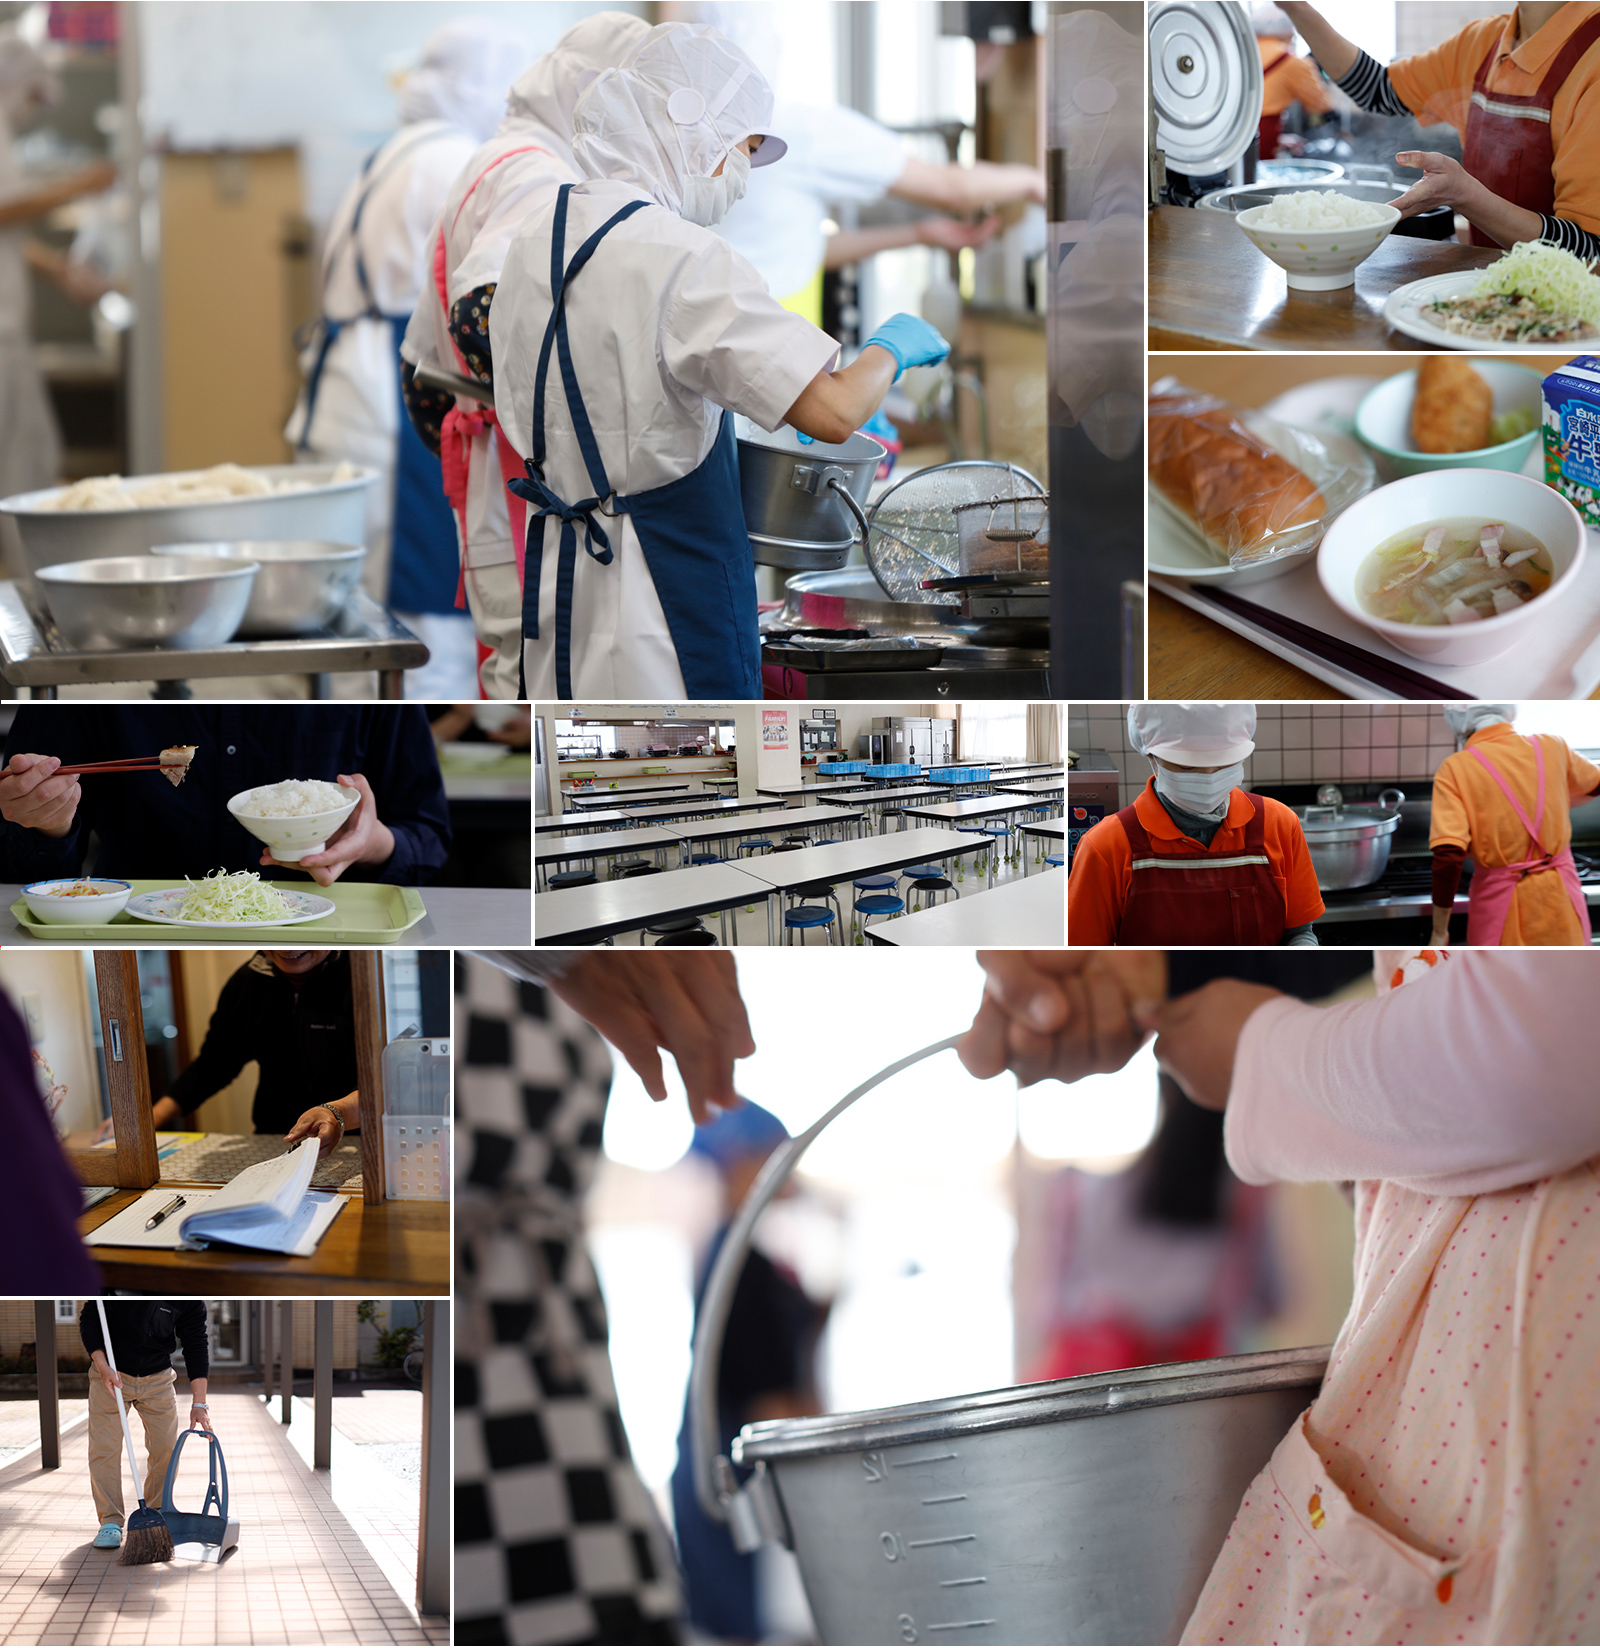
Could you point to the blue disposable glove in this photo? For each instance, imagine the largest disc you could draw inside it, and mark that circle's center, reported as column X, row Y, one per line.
column 804, row 438
column 911, row 340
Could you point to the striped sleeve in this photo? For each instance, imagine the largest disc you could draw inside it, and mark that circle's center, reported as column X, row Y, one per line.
column 1571, row 238
column 1368, row 86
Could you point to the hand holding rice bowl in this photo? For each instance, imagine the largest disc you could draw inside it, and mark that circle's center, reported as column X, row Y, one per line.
column 91, row 900
column 1423, row 501
column 296, row 816
column 1317, row 237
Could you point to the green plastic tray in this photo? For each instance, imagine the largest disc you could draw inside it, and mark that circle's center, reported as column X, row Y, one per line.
column 366, row 912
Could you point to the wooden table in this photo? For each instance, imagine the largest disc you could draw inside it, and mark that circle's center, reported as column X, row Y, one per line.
column 1211, row 289
column 393, row 1249
column 1190, row 657
column 1021, row 915
column 586, row 915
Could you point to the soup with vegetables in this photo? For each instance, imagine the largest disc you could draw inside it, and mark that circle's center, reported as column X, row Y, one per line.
column 1453, row 572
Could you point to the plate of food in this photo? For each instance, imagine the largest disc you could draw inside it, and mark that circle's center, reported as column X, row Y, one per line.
column 230, row 898
column 1536, row 296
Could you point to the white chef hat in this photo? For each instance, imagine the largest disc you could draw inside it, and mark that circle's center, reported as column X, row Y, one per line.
column 1463, row 719
column 1193, row 734
column 549, row 91
column 462, row 76
column 674, row 110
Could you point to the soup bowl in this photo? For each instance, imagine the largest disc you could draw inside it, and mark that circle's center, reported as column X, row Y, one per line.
column 1494, row 494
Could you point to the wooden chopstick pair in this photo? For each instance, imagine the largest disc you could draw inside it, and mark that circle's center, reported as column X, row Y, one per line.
column 136, row 763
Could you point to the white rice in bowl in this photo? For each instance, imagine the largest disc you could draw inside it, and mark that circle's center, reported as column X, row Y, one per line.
column 294, row 798
column 1317, row 209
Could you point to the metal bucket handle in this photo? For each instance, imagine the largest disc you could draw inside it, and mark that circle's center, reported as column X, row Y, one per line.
column 751, row 1520
column 836, row 485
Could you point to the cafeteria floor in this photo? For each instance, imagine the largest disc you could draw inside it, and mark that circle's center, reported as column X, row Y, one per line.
column 318, row 1560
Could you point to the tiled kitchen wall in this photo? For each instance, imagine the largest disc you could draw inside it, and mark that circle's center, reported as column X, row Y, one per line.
column 1296, row 743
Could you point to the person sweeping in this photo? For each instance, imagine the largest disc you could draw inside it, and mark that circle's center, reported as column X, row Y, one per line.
column 146, row 1333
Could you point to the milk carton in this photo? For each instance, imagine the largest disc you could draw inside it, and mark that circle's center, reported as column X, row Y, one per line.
column 1572, row 434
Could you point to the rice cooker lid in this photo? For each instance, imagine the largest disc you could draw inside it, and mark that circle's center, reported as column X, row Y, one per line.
column 1205, row 83
column 1088, row 1396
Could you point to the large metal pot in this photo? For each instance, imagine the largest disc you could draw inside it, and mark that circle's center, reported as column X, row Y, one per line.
column 1084, row 1510
column 803, row 502
column 1349, row 843
column 851, row 598
column 302, row 584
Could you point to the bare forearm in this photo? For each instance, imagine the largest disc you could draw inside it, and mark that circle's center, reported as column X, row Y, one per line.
column 852, row 245
column 166, row 1111
column 197, row 1390
column 1502, row 220
column 1334, row 54
column 962, row 189
column 836, row 404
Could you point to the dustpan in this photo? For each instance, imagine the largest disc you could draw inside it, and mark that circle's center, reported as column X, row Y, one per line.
column 200, row 1536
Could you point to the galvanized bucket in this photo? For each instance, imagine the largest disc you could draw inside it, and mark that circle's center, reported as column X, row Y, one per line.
column 1084, row 1510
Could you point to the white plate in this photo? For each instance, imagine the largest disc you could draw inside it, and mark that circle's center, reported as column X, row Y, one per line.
column 163, row 905
column 1406, row 311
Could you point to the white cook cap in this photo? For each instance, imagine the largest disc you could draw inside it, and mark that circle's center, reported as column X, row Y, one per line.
column 1469, row 718
column 462, row 76
column 549, row 91
column 25, row 78
column 674, row 110
column 1193, row 734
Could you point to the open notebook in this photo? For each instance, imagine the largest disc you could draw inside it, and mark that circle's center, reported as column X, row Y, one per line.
column 267, row 1206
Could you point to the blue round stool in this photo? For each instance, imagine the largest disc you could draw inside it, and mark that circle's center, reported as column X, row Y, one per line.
column 801, row 918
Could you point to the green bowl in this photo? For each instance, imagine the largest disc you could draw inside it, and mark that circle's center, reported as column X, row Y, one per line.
column 1383, row 421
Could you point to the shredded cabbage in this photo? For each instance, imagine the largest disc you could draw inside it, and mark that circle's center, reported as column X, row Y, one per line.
column 233, row 896
column 1555, row 279
column 1507, row 426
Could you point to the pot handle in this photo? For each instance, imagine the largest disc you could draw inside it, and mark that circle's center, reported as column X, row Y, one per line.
column 1384, row 801
column 720, row 1494
column 855, row 509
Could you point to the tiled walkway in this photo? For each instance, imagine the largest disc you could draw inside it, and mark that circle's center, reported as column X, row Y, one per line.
column 300, row 1573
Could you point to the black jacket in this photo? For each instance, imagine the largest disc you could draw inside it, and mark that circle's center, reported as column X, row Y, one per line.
column 145, row 1333
column 300, row 1031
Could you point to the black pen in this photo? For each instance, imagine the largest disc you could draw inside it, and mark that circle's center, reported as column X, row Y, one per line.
column 171, row 1207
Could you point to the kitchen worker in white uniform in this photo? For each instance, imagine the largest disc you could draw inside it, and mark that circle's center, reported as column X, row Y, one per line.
column 373, row 272
column 644, row 583
column 30, row 447
column 518, row 169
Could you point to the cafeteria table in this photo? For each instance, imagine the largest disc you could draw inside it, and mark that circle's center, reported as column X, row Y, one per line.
column 589, row 915
column 564, row 849
column 1052, row 832
column 847, row 860
column 639, row 796
column 709, row 808
column 971, row 810
column 1022, row 914
column 611, row 819
column 1211, row 289
column 701, row 832
column 878, row 800
column 1050, row 789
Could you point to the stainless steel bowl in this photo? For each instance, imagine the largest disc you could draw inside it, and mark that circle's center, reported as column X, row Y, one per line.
column 301, row 587
column 179, row 601
column 1349, row 844
column 803, row 502
column 323, row 508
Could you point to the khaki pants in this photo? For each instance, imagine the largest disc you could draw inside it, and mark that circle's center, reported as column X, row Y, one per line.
column 153, row 1396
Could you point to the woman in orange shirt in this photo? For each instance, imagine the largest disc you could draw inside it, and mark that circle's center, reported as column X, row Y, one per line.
column 1505, row 798
column 1522, row 89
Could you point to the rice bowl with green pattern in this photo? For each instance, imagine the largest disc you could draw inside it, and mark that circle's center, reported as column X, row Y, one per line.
column 1316, row 260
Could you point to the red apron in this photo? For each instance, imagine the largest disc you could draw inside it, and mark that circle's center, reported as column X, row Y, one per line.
column 1494, row 886
column 1508, row 147
column 1194, row 897
column 461, row 426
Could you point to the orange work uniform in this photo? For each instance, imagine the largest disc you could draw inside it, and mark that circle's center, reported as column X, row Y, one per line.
column 1438, row 86
column 1469, row 812
column 1289, row 79
column 1103, row 865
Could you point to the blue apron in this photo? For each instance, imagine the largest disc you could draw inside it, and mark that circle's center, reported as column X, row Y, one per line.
column 691, row 530
column 424, row 558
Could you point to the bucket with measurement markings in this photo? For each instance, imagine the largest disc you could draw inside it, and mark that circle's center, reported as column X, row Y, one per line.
column 1085, row 1510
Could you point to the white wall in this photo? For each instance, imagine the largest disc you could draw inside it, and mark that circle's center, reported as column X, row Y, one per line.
column 57, row 978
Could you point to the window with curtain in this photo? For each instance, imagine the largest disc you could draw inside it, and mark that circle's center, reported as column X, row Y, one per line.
column 993, row 732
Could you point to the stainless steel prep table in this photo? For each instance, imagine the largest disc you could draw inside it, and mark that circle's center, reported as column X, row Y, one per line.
column 1024, row 915
column 695, row 832
column 563, row 849
column 365, row 636
column 587, row 915
column 1053, row 832
column 458, row 918
column 846, row 860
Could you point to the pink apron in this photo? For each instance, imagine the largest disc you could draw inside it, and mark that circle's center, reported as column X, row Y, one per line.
column 462, row 426
column 1495, row 885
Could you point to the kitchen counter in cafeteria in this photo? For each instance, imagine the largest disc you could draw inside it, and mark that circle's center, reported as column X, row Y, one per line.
column 1211, row 289
column 457, row 918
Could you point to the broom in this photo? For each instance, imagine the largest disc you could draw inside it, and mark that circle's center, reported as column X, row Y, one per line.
column 148, row 1537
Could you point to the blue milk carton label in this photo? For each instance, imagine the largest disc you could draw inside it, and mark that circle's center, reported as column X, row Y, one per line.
column 1571, row 419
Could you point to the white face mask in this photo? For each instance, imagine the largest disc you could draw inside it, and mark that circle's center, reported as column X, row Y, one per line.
column 707, row 200
column 1202, row 793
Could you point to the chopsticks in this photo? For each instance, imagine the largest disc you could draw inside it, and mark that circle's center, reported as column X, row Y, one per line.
column 137, row 763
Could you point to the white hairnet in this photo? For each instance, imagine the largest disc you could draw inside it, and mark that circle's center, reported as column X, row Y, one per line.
column 462, row 76
column 549, row 91
column 1193, row 733
column 1463, row 719
column 673, row 111
column 26, row 80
